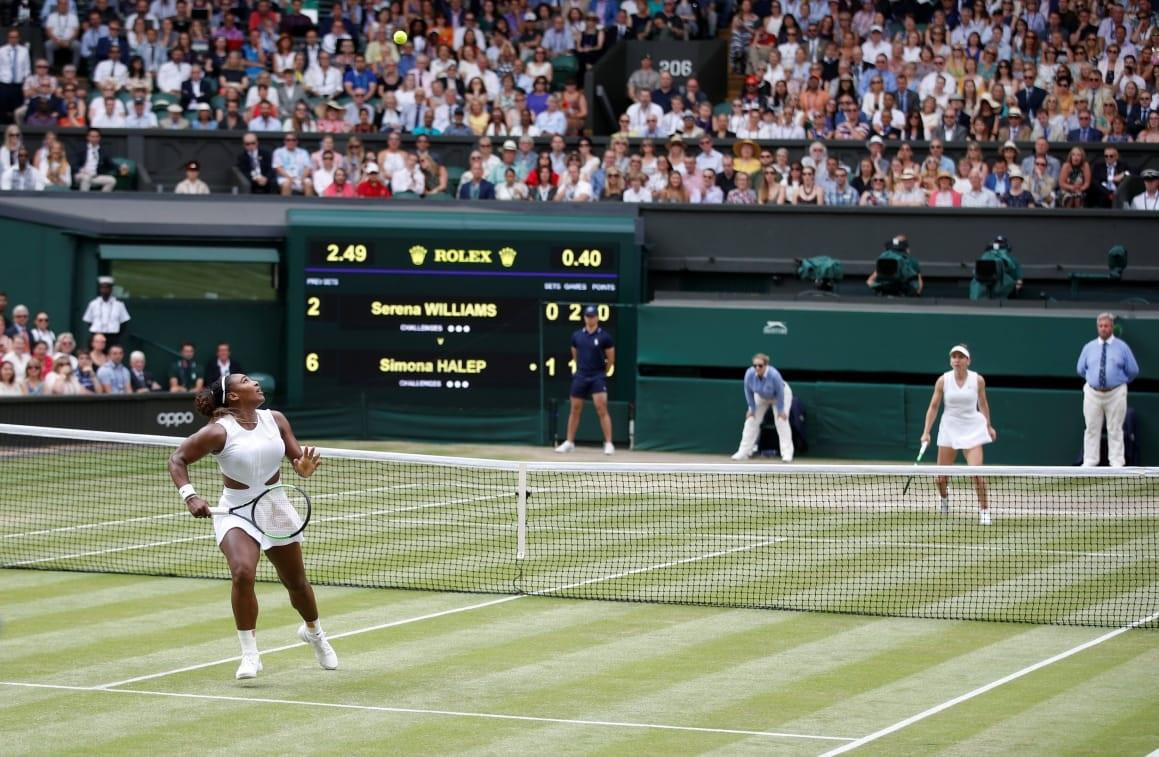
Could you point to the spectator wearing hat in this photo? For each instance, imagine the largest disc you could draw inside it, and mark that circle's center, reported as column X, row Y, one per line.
column 256, row 164
column 876, row 45
column 945, row 196
column 457, row 128
column 745, row 159
column 643, row 79
column 174, row 120
column 689, row 128
column 1018, row 196
column 1016, row 128
column 1148, row 199
column 192, row 183
column 910, row 194
column 203, row 118
column 140, row 115
column 372, row 184
column 105, row 314
column 497, row 171
column 333, row 122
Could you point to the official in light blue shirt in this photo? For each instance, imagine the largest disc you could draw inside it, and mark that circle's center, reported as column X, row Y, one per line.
column 764, row 388
column 1107, row 365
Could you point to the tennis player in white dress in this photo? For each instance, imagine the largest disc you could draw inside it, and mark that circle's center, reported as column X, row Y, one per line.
column 965, row 424
column 249, row 444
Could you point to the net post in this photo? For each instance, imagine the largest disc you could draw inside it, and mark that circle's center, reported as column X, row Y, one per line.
column 521, row 514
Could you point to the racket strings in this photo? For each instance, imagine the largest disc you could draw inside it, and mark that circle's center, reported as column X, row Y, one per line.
column 276, row 512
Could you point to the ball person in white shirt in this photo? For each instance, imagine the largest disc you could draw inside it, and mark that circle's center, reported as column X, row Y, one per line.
column 965, row 424
column 249, row 444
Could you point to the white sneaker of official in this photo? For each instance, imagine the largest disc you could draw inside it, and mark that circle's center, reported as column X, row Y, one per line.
column 609, row 448
column 325, row 653
column 565, row 447
column 251, row 665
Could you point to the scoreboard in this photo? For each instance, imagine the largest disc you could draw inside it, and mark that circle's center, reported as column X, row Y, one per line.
column 452, row 311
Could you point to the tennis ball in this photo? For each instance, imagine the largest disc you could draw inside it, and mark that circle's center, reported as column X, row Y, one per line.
column 400, row 37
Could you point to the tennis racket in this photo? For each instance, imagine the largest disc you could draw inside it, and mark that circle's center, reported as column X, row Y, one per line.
column 910, row 480
column 280, row 512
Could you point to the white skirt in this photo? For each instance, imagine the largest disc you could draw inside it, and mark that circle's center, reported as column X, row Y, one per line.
column 957, row 433
column 222, row 524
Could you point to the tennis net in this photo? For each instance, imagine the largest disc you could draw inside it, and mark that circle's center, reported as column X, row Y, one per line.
column 1066, row 546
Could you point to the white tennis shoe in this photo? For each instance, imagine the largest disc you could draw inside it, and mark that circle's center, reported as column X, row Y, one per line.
column 739, row 456
column 944, row 508
column 609, row 448
column 565, row 447
column 985, row 519
column 325, row 653
column 251, row 665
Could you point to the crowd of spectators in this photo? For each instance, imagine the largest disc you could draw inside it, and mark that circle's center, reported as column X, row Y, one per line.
column 1022, row 74
column 37, row 361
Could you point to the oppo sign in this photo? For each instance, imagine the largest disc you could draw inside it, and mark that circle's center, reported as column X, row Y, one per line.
column 169, row 420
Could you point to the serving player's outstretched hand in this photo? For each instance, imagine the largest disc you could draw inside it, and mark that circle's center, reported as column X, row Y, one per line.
column 305, row 465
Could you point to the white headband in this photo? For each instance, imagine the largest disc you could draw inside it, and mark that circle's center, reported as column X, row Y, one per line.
column 960, row 348
column 225, row 378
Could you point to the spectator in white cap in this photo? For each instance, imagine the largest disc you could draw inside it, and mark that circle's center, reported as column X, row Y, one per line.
column 876, row 44
column 497, row 172
column 175, row 120
column 106, row 314
column 1148, row 199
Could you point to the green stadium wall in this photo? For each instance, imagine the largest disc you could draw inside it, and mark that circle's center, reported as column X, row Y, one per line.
column 873, row 421
column 685, row 403
column 881, row 338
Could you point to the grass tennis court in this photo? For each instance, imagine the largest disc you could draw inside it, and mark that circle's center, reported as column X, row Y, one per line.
column 533, row 675
column 106, row 663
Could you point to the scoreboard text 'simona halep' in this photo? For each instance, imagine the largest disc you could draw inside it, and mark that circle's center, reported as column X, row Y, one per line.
column 449, row 309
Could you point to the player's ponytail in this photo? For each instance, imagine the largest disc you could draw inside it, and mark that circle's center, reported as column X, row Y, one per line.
column 211, row 401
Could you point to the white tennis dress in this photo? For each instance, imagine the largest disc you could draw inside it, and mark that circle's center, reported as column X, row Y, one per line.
column 250, row 457
column 962, row 426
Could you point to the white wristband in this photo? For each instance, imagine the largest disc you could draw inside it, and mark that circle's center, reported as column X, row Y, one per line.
column 187, row 491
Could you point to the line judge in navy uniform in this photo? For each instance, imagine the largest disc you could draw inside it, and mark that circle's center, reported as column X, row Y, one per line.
column 594, row 353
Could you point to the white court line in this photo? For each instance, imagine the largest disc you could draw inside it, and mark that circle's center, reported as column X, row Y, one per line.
column 440, row 614
column 449, row 713
column 296, row 644
column 988, row 687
